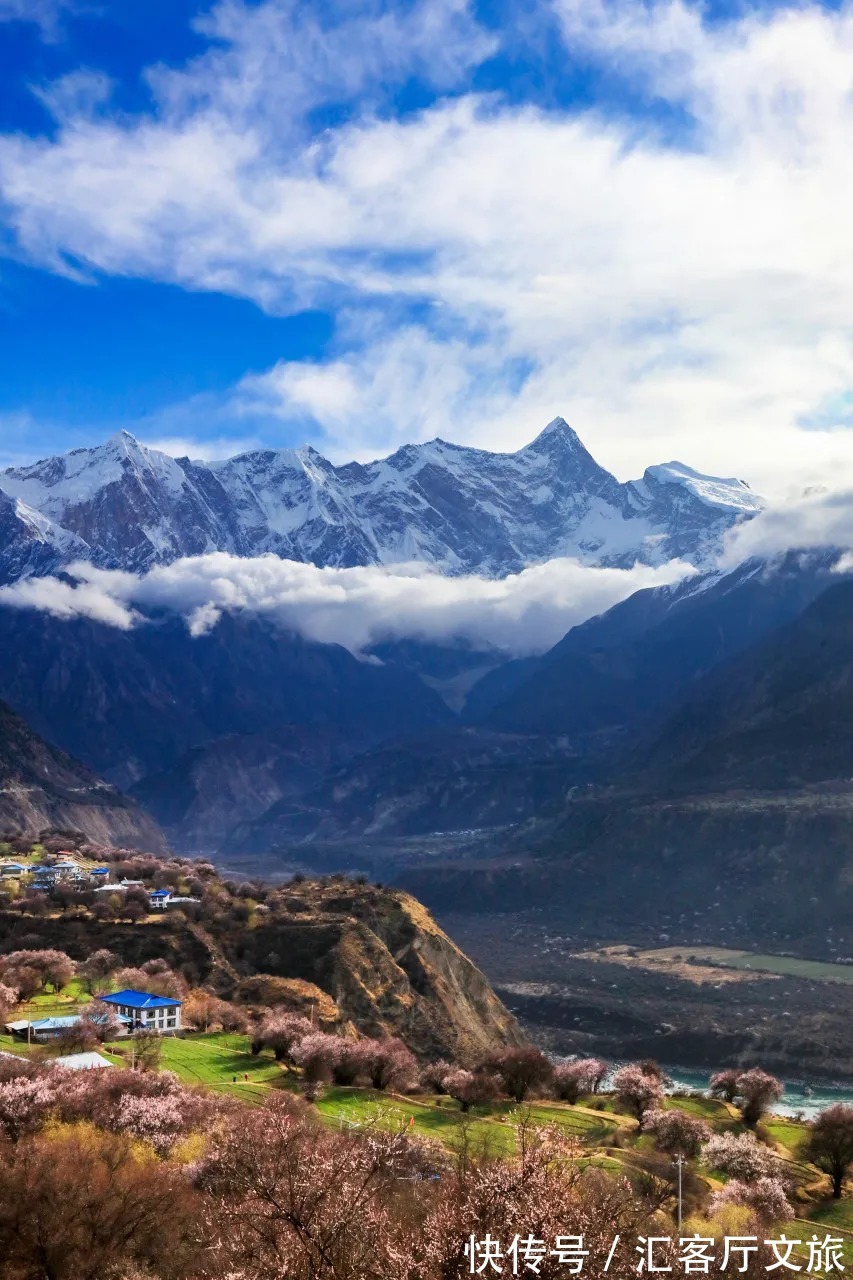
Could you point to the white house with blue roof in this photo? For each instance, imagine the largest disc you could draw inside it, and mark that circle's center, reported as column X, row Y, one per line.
column 144, row 1011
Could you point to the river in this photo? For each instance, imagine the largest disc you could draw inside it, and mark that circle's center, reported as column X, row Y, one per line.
column 796, row 1100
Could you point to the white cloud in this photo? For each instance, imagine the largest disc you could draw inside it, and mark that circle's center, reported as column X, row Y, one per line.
column 78, row 94
column 43, row 13
column 64, row 600
column 685, row 299
column 525, row 613
column 434, row 387
column 813, row 520
column 270, row 64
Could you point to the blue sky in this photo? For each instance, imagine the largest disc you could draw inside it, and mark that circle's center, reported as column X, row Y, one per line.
column 360, row 222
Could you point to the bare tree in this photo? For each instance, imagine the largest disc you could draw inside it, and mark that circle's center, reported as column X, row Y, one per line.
column 830, row 1144
column 521, row 1071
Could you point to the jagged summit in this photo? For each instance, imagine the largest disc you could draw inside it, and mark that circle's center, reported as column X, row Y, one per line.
column 556, row 430
column 124, row 504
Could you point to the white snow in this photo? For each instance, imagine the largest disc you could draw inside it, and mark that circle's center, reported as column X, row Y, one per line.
column 458, row 509
column 713, row 491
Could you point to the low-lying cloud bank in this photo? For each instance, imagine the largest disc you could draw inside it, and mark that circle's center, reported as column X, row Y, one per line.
column 525, row 613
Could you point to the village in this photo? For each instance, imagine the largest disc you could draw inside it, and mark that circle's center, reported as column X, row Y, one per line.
column 118, row 1008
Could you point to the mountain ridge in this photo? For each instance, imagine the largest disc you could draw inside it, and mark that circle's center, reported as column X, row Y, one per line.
column 462, row 510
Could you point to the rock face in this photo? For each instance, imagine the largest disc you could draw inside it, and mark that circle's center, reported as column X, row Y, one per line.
column 462, row 510
column 30, row 544
column 388, row 966
column 41, row 787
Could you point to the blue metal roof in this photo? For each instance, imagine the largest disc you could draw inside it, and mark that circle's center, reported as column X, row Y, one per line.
column 160, row 893
column 56, row 1024
column 140, row 1000
column 100, row 871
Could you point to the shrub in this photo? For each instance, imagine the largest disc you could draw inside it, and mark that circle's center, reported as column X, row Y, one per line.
column 471, row 1088
column 316, row 1054
column 583, row 1075
column 389, row 1065
column 677, row 1132
column 433, row 1075
column 637, row 1090
column 766, row 1197
column 830, row 1144
column 757, row 1089
column 521, row 1071
column 741, row 1156
column 723, row 1084
column 281, row 1032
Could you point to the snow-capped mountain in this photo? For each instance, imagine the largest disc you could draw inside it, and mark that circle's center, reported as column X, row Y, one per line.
column 31, row 545
column 460, row 509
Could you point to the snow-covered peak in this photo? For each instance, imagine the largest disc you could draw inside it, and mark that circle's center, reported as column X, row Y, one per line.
column 53, row 484
column 557, row 440
column 459, row 509
column 714, row 491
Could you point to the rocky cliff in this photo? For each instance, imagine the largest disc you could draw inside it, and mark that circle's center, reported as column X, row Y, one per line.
column 390, row 969
column 41, row 786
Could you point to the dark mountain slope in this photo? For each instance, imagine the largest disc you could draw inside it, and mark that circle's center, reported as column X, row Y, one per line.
column 779, row 715
column 238, row 779
column 133, row 702
column 602, row 690
column 450, row 780
column 732, row 823
column 610, row 677
column 42, row 787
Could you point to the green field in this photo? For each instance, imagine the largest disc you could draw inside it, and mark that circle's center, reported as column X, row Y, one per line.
column 710, row 1109
column 836, row 1214
column 436, row 1117
column 48, row 1003
column 758, row 962
column 222, row 1062
column 219, row 1061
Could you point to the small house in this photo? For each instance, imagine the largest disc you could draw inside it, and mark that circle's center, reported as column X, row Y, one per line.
column 46, row 875
column 44, row 1029
column 159, row 899
column 58, row 873
column 144, row 1011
